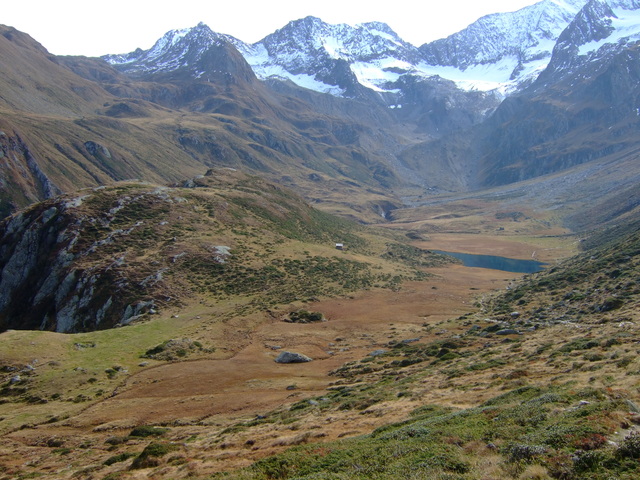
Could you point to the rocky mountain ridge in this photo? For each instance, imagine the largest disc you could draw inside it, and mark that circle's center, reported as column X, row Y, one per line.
column 590, row 86
column 581, row 110
column 508, row 49
column 392, row 132
column 602, row 28
column 499, row 53
column 192, row 51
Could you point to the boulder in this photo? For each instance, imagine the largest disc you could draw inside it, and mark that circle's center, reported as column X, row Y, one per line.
column 508, row 331
column 375, row 353
column 291, row 357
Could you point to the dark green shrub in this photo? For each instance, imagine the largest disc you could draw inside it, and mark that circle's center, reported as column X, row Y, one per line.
column 611, row 303
column 593, row 357
column 121, row 457
column 408, row 432
column 116, row 440
column 303, row 316
column 273, row 467
column 517, row 452
column 579, row 344
column 630, row 446
column 62, row 451
column 585, row 461
column 150, row 455
column 148, row 431
column 155, row 350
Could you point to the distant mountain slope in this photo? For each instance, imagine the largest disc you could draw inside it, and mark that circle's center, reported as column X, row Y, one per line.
column 44, row 86
column 581, row 111
column 173, row 127
column 498, row 52
column 503, row 50
column 368, row 63
column 582, row 107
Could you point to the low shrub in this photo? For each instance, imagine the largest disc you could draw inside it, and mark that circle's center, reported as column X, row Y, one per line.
column 148, row 431
column 304, row 316
column 517, row 452
column 150, row 456
column 121, row 457
column 630, row 446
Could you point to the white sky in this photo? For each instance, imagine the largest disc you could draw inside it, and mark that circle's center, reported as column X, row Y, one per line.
column 88, row 27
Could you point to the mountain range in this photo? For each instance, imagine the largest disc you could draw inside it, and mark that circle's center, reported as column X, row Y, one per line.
column 333, row 108
column 497, row 53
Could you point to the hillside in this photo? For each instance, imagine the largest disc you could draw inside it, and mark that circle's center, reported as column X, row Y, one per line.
column 438, row 375
column 169, row 130
column 105, row 256
column 551, row 365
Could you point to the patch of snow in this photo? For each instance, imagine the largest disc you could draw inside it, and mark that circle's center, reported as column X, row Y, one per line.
column 333, row 47
column 266, row 71
column 488, row 77
column 377, row 73
column 626, row 26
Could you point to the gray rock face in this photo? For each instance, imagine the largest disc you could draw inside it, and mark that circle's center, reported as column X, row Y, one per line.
column 196, row 52
column 291, row 357
column 46, row 282
column 591, row 82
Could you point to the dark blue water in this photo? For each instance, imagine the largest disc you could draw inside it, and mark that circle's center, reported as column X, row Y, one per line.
column 493, row 262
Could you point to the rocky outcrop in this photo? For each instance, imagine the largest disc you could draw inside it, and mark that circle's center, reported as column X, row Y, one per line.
column 53, row 275
column 21, row 174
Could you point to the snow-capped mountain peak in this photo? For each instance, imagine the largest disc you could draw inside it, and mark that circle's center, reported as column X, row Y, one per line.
column 311, row 35
column 503, row 50
column 325, row 57
column 176, row 49
column 498, row 53
column 600, row 29
column 622, row 22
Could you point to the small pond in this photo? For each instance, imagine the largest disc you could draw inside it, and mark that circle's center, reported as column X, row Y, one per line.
column 493, row 262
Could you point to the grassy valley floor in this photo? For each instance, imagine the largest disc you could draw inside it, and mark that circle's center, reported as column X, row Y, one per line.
column 435, row 355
